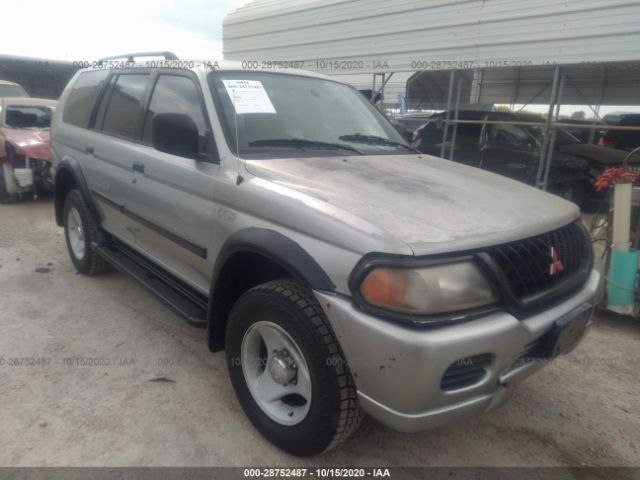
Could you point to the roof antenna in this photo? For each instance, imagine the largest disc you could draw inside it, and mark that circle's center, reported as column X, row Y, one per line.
column 239, row 178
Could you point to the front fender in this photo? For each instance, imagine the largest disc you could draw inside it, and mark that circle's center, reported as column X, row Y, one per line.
column 276, row 247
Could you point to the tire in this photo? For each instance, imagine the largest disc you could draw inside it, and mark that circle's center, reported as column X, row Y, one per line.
column 76, row 214
column 5, row 197
column 332, row 411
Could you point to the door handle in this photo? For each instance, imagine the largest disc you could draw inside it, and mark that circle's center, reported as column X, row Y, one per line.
column 138, row 167
column 88, row 150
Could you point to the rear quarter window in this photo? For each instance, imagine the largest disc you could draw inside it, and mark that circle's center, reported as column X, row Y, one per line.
column 82, row 98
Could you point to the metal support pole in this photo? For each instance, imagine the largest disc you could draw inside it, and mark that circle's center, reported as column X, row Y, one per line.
column 455, row 116
column 385, row 80
column 452, row 76
column 516, row 89
column 596, row 117
column 545, row 141
column 552, row 144
column 476, row 86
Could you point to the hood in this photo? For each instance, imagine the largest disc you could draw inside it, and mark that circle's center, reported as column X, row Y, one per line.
column 597, row 153
column 430, row 204
column 32, row 143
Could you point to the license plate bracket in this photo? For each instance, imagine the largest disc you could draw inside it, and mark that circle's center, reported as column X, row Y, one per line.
column 567, row 331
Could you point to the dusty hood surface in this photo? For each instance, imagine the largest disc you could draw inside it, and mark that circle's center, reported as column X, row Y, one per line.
column 32, row 143
column 432, row 205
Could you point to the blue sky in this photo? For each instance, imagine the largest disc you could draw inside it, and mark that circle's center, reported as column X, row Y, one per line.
column 90, row 29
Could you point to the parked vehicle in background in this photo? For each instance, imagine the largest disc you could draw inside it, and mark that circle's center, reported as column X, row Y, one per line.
column 408, row 123
column 582, row 134
column 341, row 270
column 613, row 118
column 514, row 151
column 623, row 139
column 11, row 89
column 25, row 163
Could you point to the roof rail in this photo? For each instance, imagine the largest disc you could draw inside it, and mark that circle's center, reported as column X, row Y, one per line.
column 131, row 56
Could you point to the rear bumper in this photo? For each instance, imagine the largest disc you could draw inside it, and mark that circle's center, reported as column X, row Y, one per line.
column 398, row 370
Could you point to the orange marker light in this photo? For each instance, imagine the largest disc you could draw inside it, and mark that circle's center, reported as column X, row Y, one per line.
column 384, row 286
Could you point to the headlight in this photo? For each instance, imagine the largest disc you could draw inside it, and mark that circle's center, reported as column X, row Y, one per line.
column 428, row 290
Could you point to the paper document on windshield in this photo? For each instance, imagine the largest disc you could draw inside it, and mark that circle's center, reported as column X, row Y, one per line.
column 249, row 96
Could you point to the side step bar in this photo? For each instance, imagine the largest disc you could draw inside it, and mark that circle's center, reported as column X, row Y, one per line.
column 182, row 299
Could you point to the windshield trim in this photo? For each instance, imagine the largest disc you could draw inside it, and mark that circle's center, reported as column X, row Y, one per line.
column 226, row 128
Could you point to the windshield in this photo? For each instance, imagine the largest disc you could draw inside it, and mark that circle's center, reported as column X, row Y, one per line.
column 28, row 116
column 278, row 115
column 12, row 91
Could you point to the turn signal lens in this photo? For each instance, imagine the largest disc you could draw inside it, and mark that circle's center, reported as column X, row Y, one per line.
column 384, row 287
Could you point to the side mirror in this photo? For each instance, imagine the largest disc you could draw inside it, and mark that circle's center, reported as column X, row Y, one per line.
column 175, row 133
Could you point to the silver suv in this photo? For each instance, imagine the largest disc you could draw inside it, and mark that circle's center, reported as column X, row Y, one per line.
column 342, row 271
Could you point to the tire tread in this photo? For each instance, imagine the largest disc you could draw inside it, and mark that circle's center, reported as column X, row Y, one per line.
column 351, row 413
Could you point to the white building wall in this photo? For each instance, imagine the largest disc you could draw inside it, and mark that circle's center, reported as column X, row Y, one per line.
column 353, row 38
column 395, row 35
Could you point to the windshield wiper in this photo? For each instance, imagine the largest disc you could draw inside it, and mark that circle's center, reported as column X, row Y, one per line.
column 302, row 143
column 375, row 140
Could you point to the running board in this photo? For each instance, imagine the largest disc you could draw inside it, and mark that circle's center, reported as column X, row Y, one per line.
column 182, row 299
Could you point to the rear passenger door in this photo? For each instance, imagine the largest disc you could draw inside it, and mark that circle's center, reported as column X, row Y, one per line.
column 114, row 149
column 174, row 193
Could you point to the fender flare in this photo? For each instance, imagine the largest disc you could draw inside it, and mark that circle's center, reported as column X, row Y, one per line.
column 277, row 248
column 72, row 167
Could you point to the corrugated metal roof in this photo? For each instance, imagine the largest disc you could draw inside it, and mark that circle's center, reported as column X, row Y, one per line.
column 479, row 33
column 598, row 84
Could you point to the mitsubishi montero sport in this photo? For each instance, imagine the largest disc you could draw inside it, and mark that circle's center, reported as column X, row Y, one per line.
column 342, row 271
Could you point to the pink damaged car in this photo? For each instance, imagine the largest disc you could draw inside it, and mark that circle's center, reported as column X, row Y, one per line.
column 25, row 164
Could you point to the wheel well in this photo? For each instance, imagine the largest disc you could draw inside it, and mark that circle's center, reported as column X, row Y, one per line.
column 64, row 183
column 240, row 272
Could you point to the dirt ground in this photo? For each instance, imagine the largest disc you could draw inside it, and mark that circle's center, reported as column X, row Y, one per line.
column 96, row 372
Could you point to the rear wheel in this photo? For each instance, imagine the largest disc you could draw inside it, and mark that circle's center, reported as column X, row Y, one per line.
column 81, row 232
column 288, row 371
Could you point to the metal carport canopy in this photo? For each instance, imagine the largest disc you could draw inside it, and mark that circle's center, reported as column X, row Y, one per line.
column 612, row 83
column 368, row 36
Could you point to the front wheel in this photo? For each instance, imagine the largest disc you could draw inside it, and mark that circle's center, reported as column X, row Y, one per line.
column 288, row 371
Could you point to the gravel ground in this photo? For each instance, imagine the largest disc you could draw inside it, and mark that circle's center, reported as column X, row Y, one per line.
column 95, row 372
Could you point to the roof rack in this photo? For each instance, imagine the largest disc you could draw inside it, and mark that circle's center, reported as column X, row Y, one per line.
column 132, row 56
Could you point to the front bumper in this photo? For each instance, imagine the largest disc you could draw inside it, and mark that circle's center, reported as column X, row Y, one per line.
column 397, row 370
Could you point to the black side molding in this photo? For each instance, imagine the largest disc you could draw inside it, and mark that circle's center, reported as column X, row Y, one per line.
column 184, row 243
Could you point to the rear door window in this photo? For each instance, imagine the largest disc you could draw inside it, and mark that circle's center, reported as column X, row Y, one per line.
column 123, row 105
column 82, row 98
